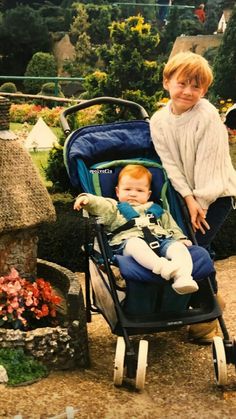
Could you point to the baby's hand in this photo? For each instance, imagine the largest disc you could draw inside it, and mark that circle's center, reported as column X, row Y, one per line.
column 187, row 242
column 80, row 202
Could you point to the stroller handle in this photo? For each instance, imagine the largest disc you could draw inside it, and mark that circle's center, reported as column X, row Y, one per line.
column 96, row 101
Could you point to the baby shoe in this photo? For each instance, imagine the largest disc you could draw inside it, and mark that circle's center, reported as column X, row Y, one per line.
column 185, row 285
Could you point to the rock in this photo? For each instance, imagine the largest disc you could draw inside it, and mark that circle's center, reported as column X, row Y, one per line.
column 3, row 375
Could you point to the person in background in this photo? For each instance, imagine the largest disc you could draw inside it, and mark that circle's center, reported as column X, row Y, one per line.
column 230, row 122
column 192, row 142
column 200, row 13
column 163, row 10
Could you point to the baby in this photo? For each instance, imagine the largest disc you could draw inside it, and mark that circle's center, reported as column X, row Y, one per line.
column 172, row 259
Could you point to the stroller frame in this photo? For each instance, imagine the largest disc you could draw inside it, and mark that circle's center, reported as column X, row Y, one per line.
column 224, row 350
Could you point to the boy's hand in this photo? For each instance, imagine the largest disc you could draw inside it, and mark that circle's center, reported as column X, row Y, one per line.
column 80, row 202
column 197, row 215
column 202, row 223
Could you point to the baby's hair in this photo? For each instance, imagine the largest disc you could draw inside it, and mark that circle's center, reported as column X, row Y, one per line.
column 189, row 66
column 135, row 171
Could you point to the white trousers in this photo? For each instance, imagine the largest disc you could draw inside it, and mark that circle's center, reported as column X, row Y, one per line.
column 177, row 252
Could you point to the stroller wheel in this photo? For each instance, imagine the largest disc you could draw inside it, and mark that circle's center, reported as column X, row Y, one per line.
column 119, row 361
column 219, row 360
column 141, row 365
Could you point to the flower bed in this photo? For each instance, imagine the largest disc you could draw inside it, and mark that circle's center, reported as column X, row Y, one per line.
column 64, row 346
column 30, row 113
column 24, row 303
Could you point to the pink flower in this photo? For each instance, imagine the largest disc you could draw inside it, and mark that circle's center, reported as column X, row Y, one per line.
column 23, row 300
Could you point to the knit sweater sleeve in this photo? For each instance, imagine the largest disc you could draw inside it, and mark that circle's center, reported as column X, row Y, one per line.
column 213, row 166
column 106, row 208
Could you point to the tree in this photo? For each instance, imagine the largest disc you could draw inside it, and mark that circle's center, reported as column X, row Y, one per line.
column 129, row 70
column 22, row 33
column 85, row 56
column 225, row 62
column 41, row 64
column 100, row 18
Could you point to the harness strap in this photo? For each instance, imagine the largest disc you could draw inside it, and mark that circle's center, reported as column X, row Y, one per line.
column 127, row 210
column 153, row 213
column 126, row 226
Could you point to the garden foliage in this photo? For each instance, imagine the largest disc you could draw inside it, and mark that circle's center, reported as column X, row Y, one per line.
column 42, row 64
column 21, row 368
column 225, row 62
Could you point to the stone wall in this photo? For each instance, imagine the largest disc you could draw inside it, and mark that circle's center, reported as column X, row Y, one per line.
column 18, row 249
column 198, row 44
column 62, row 347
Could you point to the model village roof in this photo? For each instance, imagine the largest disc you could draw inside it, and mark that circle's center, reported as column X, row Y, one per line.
column 25, row 201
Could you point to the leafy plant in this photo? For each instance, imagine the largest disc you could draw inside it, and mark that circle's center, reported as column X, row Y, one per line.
column 41, row 64
column 129, row 68
column 8, row 87
column 22, row 302
column 21, row 368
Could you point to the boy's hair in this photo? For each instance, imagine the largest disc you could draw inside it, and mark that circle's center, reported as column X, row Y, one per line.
column 135, row 171
column 189, row 66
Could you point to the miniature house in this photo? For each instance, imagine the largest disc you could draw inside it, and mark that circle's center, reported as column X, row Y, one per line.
column 25, row 202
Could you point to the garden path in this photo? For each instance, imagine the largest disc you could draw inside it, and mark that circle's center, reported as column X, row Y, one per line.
column 180, row 378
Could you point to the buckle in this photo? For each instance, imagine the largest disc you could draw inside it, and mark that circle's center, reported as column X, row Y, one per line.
column 140, row 223
column 154, row 244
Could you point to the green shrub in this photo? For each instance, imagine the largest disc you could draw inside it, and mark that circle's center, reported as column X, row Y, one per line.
column 48, row 89
column 21, row 368
column 41, row 64
column 62, row 242
column 8, row 87
column 56, row 171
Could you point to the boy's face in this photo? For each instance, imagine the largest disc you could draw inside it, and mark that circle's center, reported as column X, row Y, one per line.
column 134, row 191
column 184, row 93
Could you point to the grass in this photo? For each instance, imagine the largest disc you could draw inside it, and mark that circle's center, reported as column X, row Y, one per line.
column 14, row 126
column 40, row 159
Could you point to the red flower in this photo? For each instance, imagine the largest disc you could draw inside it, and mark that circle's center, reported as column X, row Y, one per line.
column 21, row 300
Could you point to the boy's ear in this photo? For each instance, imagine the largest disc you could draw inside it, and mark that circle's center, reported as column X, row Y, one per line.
column 204, row 91
column 166, row 84
column 117, row 191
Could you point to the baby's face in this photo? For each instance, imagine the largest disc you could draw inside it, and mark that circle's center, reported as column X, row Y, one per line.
column 134, row 191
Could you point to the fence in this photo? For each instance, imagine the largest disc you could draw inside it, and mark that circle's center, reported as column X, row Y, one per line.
column 56, row 80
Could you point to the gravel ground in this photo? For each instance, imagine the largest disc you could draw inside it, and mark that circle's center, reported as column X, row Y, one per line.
column 180, row 377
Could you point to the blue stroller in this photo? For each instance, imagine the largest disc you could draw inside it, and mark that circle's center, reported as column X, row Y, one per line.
column 142, row 302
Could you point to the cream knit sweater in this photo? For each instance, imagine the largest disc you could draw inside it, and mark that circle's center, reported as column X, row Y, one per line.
column 194, row 150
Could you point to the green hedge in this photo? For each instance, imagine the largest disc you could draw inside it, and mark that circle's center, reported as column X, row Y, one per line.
column 62, row 241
